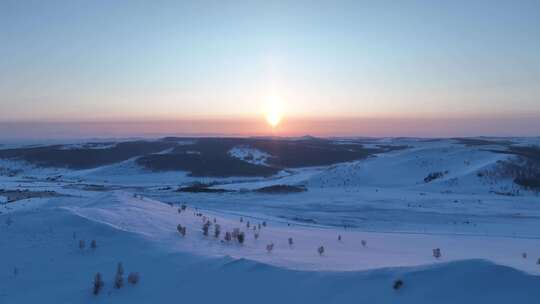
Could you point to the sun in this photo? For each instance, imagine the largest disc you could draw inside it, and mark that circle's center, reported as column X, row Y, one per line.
column 273, row 111
column 273, row 119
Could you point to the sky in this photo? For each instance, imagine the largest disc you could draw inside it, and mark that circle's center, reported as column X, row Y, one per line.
column 332, row 68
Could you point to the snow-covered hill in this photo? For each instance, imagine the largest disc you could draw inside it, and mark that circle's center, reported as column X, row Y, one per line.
column 378, row 219
column 42, row 261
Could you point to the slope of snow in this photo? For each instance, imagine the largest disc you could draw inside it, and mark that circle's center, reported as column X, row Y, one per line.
column 42, row 262
column 408, row 168
column 158, row 221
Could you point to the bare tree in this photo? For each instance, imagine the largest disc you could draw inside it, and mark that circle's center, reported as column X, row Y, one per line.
column 119, row 277
column 437, row 253
column 181, row 229
column 98, row 283
column 120, row 268
column 241, row 236
column 235, row 233
column 217, row 230
column 205, row 228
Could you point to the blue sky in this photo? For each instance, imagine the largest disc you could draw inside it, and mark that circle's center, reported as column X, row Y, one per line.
column 177, row 60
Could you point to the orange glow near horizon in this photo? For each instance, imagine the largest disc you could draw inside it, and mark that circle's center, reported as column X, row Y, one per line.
column 292, row 126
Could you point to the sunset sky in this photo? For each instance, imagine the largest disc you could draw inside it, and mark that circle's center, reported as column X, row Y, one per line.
column 367, row 68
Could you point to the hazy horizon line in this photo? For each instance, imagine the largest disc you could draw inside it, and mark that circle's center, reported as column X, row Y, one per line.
column 501, row 126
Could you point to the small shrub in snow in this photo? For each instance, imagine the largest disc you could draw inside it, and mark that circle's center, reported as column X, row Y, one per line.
column 256, row 235
column 291, row 241
column 270, row 247
column 217, row 230
column 241, row 219
column 93, row 244
column 320, row 250
column 74, row 235
column 133, row 278
column 241, row 236
column 524, row 255
column 398, row 284
column 247, row 224
column 15, row 271
column 364, row 243
column 82, row 244
column 437, row 253
column 179, row 210
column 434, row 175
column 184, row 207
column 228, row 236
column 538, row 262
column 9, row 221
column 264, row 224
column 339, row 238
column 98, row 283
column 259, row 226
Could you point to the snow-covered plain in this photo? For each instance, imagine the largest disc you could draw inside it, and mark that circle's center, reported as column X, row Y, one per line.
column 384, row 201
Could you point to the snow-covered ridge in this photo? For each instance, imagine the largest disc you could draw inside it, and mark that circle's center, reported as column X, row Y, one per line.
column 92, row 146
column 250, row 155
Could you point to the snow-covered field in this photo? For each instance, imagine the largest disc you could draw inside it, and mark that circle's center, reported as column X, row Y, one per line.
column 377, row 219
